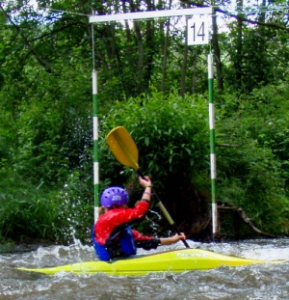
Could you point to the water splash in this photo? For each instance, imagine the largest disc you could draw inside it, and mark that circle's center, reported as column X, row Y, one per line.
column 247, row 283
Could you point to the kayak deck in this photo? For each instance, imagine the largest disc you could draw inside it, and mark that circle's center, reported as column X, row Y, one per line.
column 170, row 261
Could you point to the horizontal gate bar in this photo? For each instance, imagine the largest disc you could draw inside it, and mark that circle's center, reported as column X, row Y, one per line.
column 150, row 14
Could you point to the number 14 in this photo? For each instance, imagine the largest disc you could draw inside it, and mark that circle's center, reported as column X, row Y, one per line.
column 198, row 31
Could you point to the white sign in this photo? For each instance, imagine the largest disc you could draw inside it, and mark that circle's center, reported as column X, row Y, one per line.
column 198, row 30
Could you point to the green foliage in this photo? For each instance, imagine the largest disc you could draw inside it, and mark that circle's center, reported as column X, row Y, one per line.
column 171, row 134
column 255, row 55
column 25, row 210
column 252, row 173
column 35, row 212
column 46, row 111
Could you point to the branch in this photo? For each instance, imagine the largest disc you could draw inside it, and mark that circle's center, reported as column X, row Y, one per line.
column 243, row 19
column 243, row 217
column 53, row 32
column 227, row 145
column 26, row 42
column 238, row 17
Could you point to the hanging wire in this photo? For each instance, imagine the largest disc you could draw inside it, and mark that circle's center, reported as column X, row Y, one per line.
column 252, row 10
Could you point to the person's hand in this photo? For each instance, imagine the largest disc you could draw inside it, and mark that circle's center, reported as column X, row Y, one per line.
column 178, row 237
column 173, row 239
column 145, row 182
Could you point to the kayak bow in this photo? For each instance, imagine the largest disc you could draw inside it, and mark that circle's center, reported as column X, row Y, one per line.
column 170, row 261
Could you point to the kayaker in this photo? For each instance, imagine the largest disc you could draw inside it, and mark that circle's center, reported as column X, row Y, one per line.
column 112, row 235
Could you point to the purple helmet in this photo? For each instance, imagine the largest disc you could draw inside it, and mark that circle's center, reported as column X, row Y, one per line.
column 114, row 195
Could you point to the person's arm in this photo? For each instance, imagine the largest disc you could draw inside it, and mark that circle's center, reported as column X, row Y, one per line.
column 173, row 239
column 149, row 242
column 140, row 209
column 147, row 185
column 144, row 241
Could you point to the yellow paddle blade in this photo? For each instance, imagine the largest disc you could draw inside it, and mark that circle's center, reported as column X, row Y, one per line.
column 123, row 147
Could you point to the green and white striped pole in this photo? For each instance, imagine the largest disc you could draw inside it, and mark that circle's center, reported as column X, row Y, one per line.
column 212, row 146
column 95, row 147
column 95, row 134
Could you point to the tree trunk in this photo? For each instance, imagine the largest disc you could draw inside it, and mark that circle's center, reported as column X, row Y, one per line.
column 184, row 66
column 140, row 49
column 239, row 48
column 150, row 47
column 165, row 52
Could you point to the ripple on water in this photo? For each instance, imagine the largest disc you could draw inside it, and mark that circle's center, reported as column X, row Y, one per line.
column 263, row 282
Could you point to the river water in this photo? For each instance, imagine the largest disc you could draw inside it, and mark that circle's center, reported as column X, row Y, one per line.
column 266, row 282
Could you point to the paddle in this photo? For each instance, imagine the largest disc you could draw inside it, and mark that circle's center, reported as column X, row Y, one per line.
column 125, row 151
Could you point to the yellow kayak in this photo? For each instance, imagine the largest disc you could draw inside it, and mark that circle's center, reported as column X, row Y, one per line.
column 170, row 261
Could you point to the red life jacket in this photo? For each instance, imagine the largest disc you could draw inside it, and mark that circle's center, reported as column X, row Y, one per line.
column 115, row 217
column 112, row 237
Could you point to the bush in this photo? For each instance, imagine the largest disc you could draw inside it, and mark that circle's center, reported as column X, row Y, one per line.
column 32, row 212
column 171, row 134
column 25, row 210
column 252, row 172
